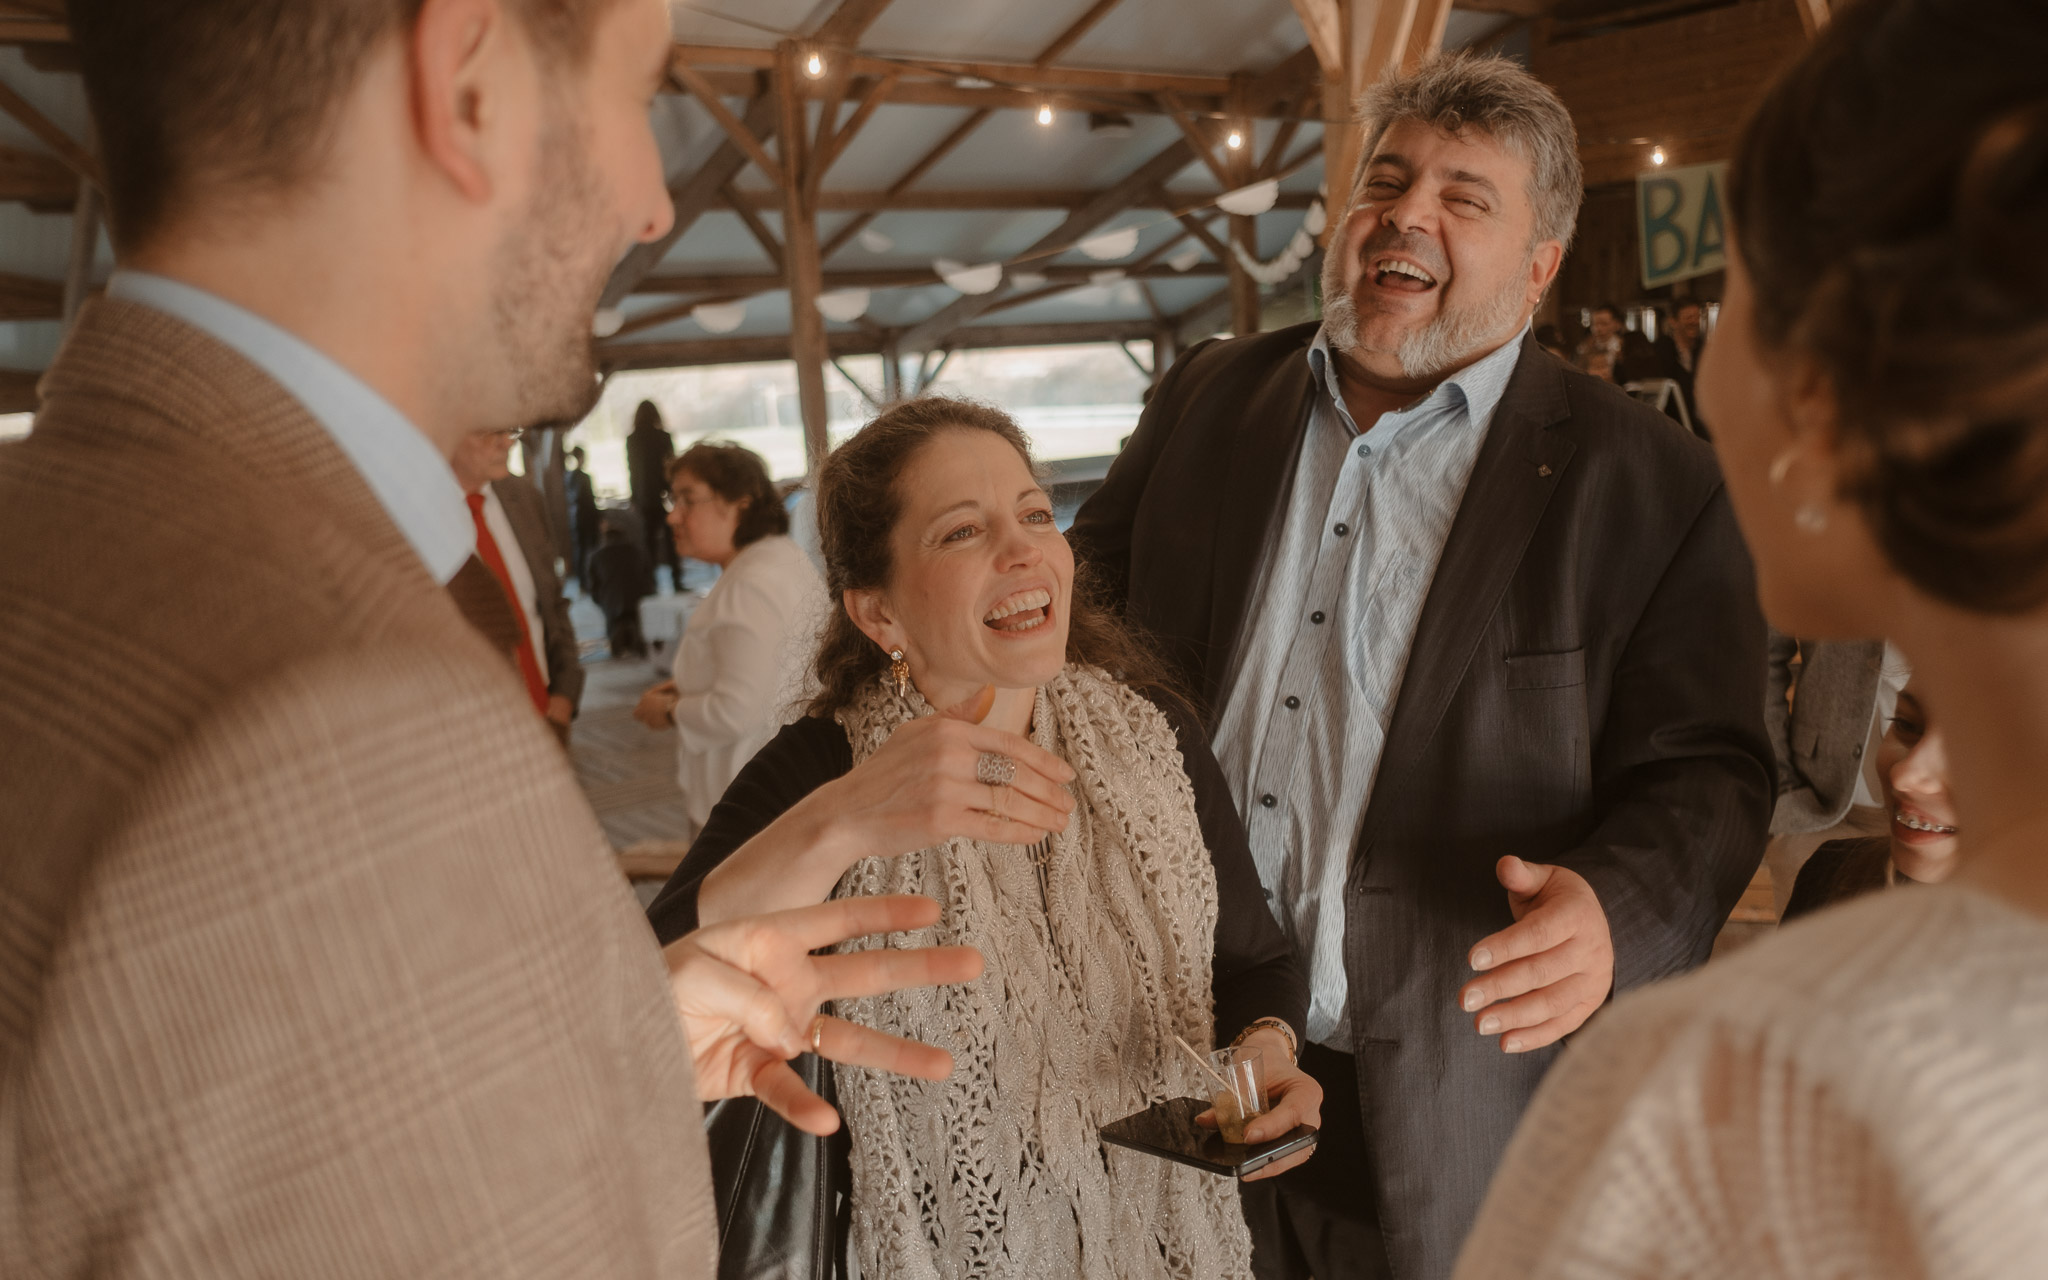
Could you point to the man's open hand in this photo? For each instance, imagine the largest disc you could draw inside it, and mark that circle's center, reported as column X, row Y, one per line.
column 748, row 989
column 1543, row 976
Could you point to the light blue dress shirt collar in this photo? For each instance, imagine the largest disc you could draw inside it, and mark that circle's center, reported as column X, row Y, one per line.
column 1479, row 384
column 402, row 467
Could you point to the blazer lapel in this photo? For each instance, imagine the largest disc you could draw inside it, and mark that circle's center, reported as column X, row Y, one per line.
column 1519, row 467
column 1252, row 493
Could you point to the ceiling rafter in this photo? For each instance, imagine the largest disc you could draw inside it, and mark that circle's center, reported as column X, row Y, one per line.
column 697, row 192
column 73, row 155
column 1064, row 41
column 932, row 330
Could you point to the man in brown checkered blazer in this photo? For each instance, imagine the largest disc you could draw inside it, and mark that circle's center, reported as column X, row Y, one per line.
column 313, row 961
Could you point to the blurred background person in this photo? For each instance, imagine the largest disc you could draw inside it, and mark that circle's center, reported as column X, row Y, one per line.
column 1599, row 352
column 649, row 449
column 1676, row 354
column 1921, row 845
column 1826, row 705
column 741, row 662
column 585, row 519
column 618, row 578
column 512, row 541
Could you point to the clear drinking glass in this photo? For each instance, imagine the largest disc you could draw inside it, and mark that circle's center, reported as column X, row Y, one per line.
column 1242, row 1093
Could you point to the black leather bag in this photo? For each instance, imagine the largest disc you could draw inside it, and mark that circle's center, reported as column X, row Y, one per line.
column 785, row 1197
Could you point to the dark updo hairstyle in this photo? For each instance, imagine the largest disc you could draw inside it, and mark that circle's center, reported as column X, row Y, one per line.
column 1890, row 198
column 737, row 474
column 859, row 503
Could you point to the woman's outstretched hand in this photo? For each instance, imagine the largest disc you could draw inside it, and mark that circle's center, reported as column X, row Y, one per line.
column 747, row 991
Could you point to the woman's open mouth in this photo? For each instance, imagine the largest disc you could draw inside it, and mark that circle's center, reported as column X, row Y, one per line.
column 1024, row 611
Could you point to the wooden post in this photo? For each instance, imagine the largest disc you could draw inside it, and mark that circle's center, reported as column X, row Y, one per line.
column 892, row 370
column 85, row 243
column 1164, row 351
column 1244, row 230
column 802, row 264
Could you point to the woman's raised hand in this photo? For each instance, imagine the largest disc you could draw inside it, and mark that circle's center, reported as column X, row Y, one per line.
column 919, row 789
column 925, row 785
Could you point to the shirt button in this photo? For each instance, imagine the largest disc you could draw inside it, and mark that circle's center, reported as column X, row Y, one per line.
column 1342, row 529
column 1293, row 703
column 1364, row 450
column 1857, row 754
column 1316, row 617
column 1268, row 801
column 1269, row 895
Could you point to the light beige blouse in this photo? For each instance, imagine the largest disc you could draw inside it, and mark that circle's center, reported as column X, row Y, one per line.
column 1864, row 1095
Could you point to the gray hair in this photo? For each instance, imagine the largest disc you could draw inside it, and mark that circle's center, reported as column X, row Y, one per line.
column 1495, row 96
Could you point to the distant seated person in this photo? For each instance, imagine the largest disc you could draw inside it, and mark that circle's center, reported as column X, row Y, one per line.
column 986, row 734
column 1599, row 352
column 512, row 542
column 742, row 660
column 619, row 576
column 1921, row 846
column 1676, row 354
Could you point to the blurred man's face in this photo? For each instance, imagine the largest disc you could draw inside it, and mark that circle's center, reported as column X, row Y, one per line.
column 482, row 457
column 1437, row 261
column 1685, row 325
column 1606, row 324
column 597, row 190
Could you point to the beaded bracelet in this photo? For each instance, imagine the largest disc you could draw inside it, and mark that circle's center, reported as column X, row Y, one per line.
column 1277, row 1024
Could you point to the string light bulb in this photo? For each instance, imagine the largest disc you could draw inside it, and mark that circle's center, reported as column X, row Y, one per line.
column 1657, row 155
column 814, row 66
column 1236, row 140
column 1045, row 113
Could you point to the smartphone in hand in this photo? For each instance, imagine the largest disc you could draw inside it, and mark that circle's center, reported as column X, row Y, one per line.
column 1168, row 1130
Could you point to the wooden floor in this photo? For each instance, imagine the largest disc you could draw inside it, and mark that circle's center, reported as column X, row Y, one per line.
column 628, row 771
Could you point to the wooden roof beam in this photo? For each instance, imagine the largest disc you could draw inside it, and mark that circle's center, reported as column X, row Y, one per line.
column 74, row 156
column 692, row 196
column 761, row 348
column 959, row 133
column 39, row 181
column 983, row 199
column 1139, row 183
column 738, row 284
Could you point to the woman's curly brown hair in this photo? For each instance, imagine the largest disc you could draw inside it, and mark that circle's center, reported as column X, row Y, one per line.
column 1890, row 197
column 859, row 502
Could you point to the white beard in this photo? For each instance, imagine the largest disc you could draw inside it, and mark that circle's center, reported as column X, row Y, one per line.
column 1444, row 344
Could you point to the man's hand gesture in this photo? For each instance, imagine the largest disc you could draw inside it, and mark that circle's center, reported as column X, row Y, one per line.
column 748, row 989
column 1544, row 975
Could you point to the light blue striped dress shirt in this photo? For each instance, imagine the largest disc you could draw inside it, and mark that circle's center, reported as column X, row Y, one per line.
column 411, row 478
column 1331, row 620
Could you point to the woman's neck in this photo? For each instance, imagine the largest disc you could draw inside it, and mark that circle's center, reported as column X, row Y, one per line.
column 1012, row 710
column 1987, row 687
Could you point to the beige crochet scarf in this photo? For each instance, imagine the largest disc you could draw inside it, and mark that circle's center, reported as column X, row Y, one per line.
column 1093, row 966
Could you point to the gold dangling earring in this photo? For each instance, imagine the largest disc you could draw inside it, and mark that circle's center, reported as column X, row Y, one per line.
column 899, row 671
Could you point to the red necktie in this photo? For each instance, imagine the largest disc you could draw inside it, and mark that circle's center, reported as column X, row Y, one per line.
column 487, row 551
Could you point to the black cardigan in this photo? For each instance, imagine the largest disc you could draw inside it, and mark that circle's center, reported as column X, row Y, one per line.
column 1254, row 972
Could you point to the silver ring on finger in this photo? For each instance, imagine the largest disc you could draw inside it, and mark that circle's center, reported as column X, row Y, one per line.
column 995, row 769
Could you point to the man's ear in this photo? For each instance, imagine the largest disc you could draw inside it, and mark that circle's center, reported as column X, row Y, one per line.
column 457, row 48
column 1543, row 268
column 870, row 612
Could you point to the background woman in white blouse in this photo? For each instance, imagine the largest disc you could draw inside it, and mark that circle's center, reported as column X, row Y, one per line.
column 1866, row 1093
column 741, row 661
